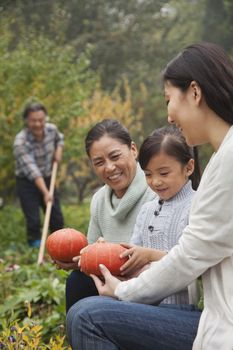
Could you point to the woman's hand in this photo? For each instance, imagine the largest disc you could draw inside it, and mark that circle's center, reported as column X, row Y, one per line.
column 108, row 286
column 74, row 265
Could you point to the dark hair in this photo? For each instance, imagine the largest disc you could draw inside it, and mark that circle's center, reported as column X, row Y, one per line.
column 212, row 69
column 33, row 107
column 111, row 127
column 170, row 140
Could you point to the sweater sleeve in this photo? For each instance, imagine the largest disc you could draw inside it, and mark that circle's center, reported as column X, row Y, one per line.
column 206, row 241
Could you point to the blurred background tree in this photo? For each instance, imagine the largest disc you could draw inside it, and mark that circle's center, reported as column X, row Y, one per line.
column 86, row 60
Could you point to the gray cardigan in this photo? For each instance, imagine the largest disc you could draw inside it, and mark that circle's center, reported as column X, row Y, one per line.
column 162, row 231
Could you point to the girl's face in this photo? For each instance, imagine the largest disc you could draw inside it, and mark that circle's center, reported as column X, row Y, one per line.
column 114, row 163
column 166, row 175
column 184, row 111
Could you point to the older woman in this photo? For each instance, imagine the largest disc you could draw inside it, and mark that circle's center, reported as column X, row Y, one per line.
column 115, row 206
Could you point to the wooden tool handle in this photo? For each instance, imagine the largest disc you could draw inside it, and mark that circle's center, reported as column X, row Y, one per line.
column 47, row 215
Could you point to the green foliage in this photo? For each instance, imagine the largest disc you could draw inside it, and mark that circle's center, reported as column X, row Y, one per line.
column 128, row 38
column 218, row 23
column 40, row 286
column 37, row 68
column 77, row 216
column 32, row 297
column 200, row 304
column 58, row 52
column 13, row 231
column 12, row 228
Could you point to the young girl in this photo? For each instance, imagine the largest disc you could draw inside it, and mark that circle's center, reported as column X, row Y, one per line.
column 168, row 163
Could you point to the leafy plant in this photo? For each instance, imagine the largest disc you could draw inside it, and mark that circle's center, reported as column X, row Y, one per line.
column 32, row 297
column 29, row 337
column 41, row 287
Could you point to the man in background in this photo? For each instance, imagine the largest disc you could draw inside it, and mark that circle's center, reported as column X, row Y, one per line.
column 36, row 147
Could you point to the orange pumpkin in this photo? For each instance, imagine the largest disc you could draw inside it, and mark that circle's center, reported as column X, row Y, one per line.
column 64, row 244
column 102, row 253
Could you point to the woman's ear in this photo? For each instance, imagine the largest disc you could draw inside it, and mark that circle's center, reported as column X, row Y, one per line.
column 134, row 150
column 190, row 167
column 196, row 91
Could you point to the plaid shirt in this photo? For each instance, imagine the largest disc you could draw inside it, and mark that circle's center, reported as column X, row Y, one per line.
column 34, row 158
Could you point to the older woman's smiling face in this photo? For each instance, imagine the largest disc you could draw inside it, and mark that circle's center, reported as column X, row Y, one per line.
column 114, row 163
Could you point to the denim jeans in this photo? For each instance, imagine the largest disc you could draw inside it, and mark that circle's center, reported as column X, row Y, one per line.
column 103, row 323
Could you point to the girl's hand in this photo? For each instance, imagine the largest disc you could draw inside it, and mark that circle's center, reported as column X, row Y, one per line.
column 108, row 286
column 138, row 258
